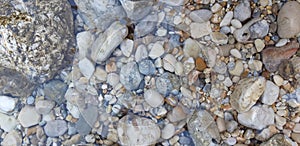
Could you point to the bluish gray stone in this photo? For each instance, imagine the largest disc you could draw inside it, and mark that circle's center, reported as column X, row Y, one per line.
column 56, row 128
column 164, row 84
column 147, row 67
column 259, row 29
column 242, row 11
column 130, row 76
column 55, row 90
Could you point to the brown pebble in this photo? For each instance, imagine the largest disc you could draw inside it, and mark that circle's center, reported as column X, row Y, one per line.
column 31, row 131
column 200, row 64
column 266, row 74
column 285, row 69
column 272, row 56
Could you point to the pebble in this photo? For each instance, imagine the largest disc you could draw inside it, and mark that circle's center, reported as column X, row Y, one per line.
column 191, row 48
column 156, row 51
column 169, row 62
column 231, row 141
column 288, row 20
column 177, row 114
column 296, row 128
column 219, row 38
column 259, row 29
column 296, row 137
column 141, row 53
column 86, row 67
column 130, row 76
column 135, row 130
column 13, row 138
column 7, row 104
column 153, row 98
column 272, row 56
column 242, row 11
column 168, row 131
column 146, row 67
column 221, row 124
column 236, row 53
column 146, row 25
column 44, row 106
column 231, row 125
column 281, row 42
column 236, row 23
column 163, row 84
column 216, row 7
column 238, row 68
column 258, row 117
column 278, row 80
column 271, row 93
column 55, row 128
column 30, row 100
column 247, row 92
column 179, row 68
column 200, row 16
column 84, row 41
column 136, row 10
column 113, row 79
column 127, row 47
column 174, row 2
column 227, row 19
column 199, row 30
column 55, row 90
column 28, row 116
column 107, row 42
column 227, row 82
column 100, row 74
column 203, row 128
column 255, row 65
column 259, row 45
column 8, row 123
column 200, row 64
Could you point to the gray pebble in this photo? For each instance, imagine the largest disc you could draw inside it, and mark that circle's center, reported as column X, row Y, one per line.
column 147, row 67
column 55, row 128
column 259, row 29
column 130, row 76
column 242, row 11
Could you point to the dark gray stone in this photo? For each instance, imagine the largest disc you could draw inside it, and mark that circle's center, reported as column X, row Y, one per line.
column 55, row 90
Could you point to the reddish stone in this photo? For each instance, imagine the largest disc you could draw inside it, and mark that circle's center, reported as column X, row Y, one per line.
column 273, row 56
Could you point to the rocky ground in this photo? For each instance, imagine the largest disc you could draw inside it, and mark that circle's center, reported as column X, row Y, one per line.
column 155, row 72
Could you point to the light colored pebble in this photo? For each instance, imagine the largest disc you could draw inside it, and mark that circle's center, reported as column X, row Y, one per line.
column 238, row 68
column 236, row 53
column 227, row 19
column 255, row 65
column 178, row 68
column 156, row 51
column 199, row 30
column 168, row 131
column 7, row 123
column 281, row 42
column 278, row 80
column 219, row 38
column 7, row 104
column 216, row 7
column 141, row 53
column 259, row 44
column 271, row 93
column 153, row 98
column 127, row 47
column 236, row 23
column 86, row 67
column 169, row 62
column 28, row 116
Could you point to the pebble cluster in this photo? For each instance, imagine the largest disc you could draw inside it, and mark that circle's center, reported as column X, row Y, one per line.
column 165, row 72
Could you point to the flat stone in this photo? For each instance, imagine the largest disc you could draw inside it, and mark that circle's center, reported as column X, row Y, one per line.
column 55, row 90
column 134, row 130
column 146, row 25
column 227, row 19
column 100, row 74
column 29, row 117
column 136, row 10
column 273, row 56
column 191, row 48
column 55, row 128
column 153, row 98
column 200, row 16
column 7, row 104
column 259, row 44
column 271, row 93
column 130, row 76
column 156, row 51
column 113, row 79
column 259, row 29
column 258, row 117
column 255, row 65
column 279, row 139
column 236, row 53
column 84, row 40
column 12, row 138
column 203, row 128
column 288, row 20
column 86, row 67
column 219, row 38
column 107, row 42
column 236, row 23
column 44, row 106
column 169, row 62
column 242, row 11
column 246, row 93
column 141, row 53
column 146, row 67
column 168, row 131
column 199, row 30
column 7, row 123
column 200, row 64
column 127, row 47
column 238, row 68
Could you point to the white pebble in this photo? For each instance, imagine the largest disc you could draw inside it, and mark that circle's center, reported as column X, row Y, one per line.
column 236, row 53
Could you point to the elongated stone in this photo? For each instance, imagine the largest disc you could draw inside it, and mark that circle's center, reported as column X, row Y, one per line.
column 107, row 42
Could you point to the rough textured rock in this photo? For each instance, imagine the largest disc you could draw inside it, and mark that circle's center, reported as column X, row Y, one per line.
column 203, row 128
column 28, row 44
column 55, row 128
column 289, row 20
column 134, row 130
column 273, row 56
column 130, row 76
column 258, row 117
column 247, row 92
